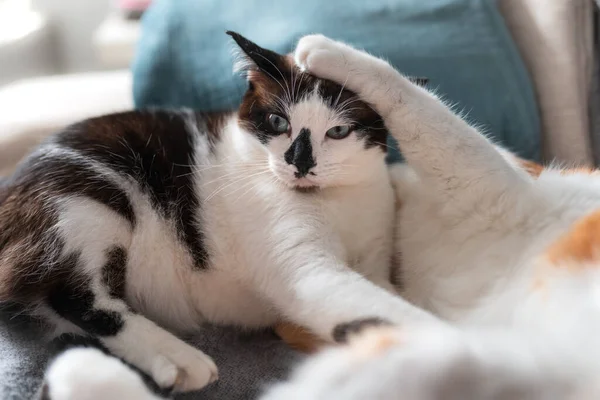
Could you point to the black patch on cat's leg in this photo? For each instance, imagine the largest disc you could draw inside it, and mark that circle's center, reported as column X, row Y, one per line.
column 114, row 272
column 68, row 341
column 342, row 331
column 73, row 300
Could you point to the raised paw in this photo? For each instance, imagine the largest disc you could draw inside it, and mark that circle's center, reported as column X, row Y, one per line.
column 184, row 371
column 373, row 79
column 324, row 57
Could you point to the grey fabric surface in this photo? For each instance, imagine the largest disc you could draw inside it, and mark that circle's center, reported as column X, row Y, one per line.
column 247, row 362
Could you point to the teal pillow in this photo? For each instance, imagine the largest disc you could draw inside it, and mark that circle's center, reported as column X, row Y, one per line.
column 462, row 46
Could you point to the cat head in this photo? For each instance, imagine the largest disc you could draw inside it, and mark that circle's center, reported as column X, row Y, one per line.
column 316, row 133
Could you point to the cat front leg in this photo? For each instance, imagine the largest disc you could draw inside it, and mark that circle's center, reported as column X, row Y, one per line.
column 310, row 285
column 375, row 266
column 329, row 299
column 168, row 360
column 453, row 157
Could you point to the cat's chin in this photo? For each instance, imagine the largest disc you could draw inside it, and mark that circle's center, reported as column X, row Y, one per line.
column 301, row 185
column 304, row 185
column 306, row 189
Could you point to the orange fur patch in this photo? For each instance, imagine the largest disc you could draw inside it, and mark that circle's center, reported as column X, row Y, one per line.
column 581, row 244
column 299, row 338
column 532, row 168
column 374, row 341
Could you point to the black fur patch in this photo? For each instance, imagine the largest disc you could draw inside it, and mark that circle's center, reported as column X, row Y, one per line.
column 342, row 331
column 73, row 299
column 114, row 272
column 58, row 176
column 265, row 60
column 276, row 78
column 155, row 149
column 300, row 154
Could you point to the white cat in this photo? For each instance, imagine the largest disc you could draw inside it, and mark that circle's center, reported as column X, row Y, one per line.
column 506, row 251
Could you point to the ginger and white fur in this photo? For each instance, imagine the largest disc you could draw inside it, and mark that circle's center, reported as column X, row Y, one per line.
column 484, row 245
column 510, row 259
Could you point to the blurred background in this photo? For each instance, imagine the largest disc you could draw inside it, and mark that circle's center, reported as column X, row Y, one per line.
column 525, row 70
column 46, row 37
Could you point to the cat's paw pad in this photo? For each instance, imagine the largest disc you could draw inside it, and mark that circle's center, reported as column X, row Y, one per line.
column 185, row 372
column 320, row 55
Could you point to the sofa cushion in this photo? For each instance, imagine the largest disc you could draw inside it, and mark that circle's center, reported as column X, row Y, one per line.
column 462, row 46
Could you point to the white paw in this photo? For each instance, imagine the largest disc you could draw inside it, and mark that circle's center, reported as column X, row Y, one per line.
column 89, row 374
column 323, row 57
column 185, row 370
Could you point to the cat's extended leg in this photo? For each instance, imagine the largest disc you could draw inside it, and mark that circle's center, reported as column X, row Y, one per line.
column 88, row 294
column 452, row 156
column 83, row 304
column 378, row 260
column 311, row 285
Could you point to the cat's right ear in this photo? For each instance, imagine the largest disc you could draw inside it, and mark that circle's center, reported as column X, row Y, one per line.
column 255, row 58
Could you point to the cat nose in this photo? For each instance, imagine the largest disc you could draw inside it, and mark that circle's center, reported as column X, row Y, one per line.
column 300, row 154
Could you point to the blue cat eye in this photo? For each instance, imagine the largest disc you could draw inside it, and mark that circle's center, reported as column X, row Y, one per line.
column 278, row 123
column 339, row 132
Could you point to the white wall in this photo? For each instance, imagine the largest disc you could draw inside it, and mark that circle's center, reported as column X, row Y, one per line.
column 73, row 23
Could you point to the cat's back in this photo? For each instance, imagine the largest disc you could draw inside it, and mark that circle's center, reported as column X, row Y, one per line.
column 119, row 186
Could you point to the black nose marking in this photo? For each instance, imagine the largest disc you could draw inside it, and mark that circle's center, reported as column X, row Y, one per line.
column 300, row 154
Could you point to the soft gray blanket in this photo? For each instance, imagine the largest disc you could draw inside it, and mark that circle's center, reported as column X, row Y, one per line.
column 247, row 362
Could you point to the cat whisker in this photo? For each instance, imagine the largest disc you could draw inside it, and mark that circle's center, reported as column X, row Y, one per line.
column 220, row 189
column 341, row 90
column 239, row 166
column 253, row 186
column 232, row 173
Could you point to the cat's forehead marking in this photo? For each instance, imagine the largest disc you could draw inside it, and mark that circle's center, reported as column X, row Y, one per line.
column 313, row 111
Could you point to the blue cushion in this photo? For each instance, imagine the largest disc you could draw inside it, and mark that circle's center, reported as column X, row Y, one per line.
column 462, row 46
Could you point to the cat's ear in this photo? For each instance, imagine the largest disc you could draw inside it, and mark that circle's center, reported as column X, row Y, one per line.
column 254, row 57
column 419, row 80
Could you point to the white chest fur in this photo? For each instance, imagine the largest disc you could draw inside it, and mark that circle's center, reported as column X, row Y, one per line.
column 244, row 219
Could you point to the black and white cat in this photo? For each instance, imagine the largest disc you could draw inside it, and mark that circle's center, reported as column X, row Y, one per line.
column 131, row 226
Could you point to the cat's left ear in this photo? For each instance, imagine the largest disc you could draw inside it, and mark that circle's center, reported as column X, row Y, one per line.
column 419, row 80
column 254, row 57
